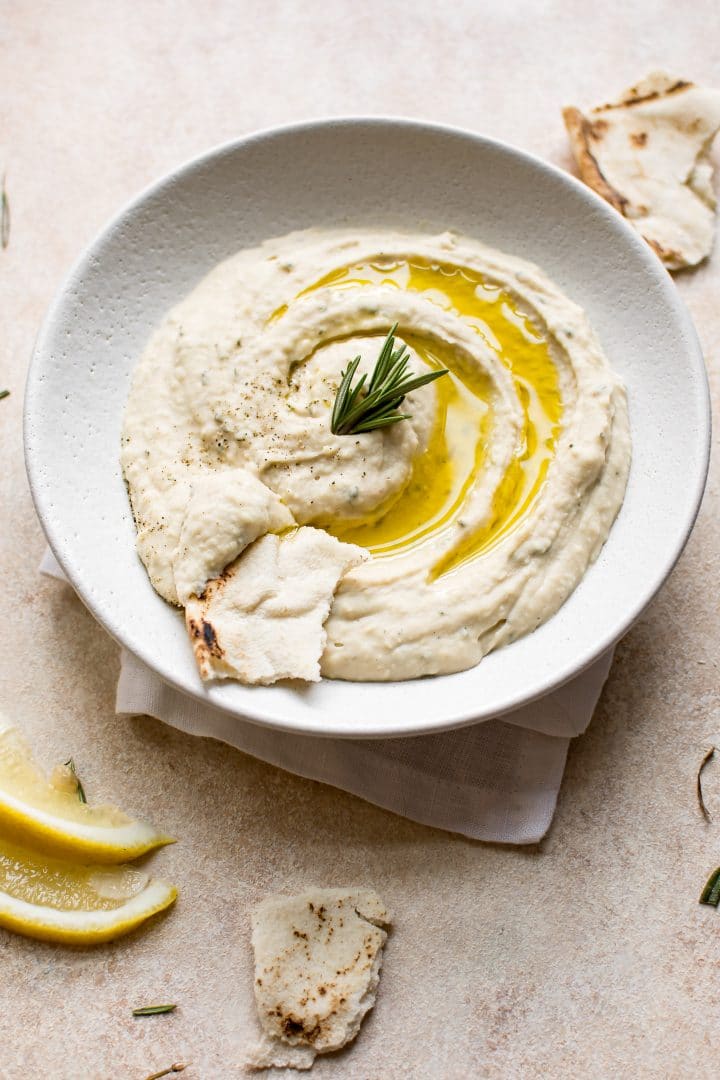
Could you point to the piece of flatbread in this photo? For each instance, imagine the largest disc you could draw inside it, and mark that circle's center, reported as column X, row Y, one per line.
column 227, row 511
column 263, row 618
column 648, row 155
column 317, row 969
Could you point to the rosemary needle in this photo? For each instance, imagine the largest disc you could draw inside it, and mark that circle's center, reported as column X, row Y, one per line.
column 4, row 216
column 153, row 1010
column 366, row 408
column 70, row 764
column 179, row 1066
column 4, row 393
column 701, row 801
column 711, row 893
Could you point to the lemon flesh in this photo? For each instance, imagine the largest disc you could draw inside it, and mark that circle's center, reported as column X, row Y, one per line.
column 53, row 900
column 48, row 814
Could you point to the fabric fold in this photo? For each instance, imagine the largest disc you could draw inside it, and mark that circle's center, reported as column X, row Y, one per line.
column 496, row 781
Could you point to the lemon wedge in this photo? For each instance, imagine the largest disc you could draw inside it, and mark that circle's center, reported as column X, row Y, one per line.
column 48, row 814
column 53, row 900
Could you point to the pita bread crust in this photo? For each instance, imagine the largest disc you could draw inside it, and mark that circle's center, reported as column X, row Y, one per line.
column 263, row 618
column 317, row 969
column 580, row 131
column 653, row 85
column 647, row 154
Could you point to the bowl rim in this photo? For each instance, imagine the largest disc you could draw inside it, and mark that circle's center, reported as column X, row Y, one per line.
column 265, row 716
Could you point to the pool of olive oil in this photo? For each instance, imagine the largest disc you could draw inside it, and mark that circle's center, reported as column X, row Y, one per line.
column 445, row 472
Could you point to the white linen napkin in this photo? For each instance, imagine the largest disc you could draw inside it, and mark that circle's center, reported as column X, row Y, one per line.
column 497, row 780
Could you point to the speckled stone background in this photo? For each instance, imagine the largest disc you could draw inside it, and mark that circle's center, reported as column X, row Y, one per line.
column 586, row 957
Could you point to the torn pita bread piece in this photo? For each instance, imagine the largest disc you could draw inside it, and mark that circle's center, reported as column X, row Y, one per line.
column 317, row 969
column 228, row 510
column 263, row 618
column 648, row 155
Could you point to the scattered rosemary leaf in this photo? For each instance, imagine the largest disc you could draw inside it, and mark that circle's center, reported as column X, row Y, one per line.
column 70, row 764
column 179, row 1066
column 701, row 801
column 4, row 393
column 152, row 1010
column 711, row 893
column 4, row 216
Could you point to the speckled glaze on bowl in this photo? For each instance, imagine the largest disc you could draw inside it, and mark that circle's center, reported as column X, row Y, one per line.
column 333, row 173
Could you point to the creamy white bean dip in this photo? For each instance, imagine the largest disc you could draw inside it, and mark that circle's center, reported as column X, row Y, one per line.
column 452, row 532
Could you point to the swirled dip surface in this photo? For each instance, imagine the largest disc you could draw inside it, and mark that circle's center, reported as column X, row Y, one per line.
column 450, row 533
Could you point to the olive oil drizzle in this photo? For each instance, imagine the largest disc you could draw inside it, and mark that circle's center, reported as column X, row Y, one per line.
column 443, row 475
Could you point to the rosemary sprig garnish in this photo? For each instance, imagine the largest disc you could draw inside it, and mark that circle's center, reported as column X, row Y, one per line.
column 701, row 801
column 154, row 1010
column 4, row 216
column 359, row 408
column 70, row 764
column 711, row 893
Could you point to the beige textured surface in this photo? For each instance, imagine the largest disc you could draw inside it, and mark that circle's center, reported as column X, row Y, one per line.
column 589, row 957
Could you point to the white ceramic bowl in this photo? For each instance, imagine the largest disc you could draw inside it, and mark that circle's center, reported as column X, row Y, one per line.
column 370, row 172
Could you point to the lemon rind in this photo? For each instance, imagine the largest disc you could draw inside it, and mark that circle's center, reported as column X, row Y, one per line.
column 87, row 842
column 84, row 927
